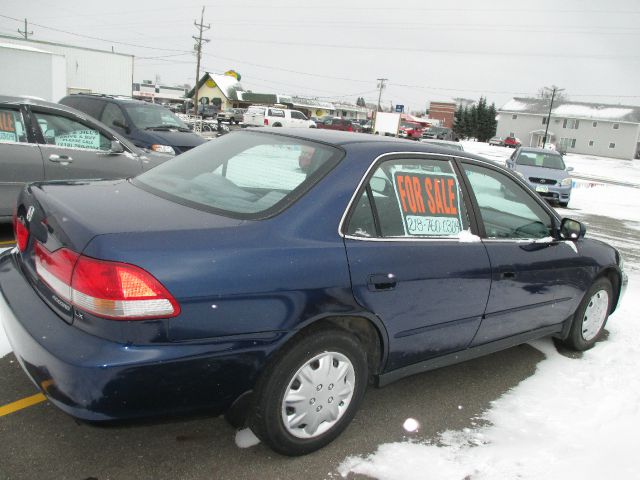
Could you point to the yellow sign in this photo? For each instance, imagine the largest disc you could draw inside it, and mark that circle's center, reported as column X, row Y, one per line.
column 210, row 83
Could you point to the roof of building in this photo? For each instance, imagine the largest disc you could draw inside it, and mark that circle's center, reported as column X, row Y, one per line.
column 227, row 84
column 12, row 38
column 595, row 111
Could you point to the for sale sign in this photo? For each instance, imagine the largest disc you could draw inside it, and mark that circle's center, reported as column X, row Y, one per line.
column 429, row 202
column 7, row 127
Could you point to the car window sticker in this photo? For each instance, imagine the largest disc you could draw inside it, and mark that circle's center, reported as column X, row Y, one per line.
column 8, row 127
column 429, row 202
column 79, row 139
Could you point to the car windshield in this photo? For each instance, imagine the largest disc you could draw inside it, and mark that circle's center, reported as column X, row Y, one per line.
column 538, row 159
column 153, row 116
column 243, row 174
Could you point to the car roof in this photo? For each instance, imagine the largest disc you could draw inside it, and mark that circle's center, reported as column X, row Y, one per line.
column 539, row 150
column 110, row 98
column 346, row 139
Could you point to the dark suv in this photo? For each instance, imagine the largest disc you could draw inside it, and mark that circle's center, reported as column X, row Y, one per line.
column 147, row 125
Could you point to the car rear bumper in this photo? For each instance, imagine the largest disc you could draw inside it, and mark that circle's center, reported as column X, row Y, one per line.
column 96, row 379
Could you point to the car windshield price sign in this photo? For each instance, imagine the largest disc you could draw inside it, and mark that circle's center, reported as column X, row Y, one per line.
column 7, row 127
column 429, row 202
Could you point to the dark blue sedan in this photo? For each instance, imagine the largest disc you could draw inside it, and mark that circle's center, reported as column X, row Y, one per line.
column 274, row 275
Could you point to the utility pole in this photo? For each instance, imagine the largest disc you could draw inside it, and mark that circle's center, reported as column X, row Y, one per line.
column 381, row 82
column 198, row 48
column 546, row 130
column 26, row 32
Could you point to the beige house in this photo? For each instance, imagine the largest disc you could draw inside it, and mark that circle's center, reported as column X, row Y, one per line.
column 217, row 89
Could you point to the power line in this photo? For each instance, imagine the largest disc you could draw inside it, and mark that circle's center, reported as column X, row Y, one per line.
column 97, row 38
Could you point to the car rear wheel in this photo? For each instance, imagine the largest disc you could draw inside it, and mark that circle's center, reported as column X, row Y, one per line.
column 591, row 316
column 310, row 392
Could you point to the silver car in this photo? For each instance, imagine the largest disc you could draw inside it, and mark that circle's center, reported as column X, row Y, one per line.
column 545, row 172
column 47, row 141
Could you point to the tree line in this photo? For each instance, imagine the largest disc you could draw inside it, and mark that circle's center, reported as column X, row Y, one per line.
column 477, row 121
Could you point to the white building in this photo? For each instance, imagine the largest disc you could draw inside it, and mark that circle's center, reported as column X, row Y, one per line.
column 87, row 70
column 41, row 74
column 578, row 127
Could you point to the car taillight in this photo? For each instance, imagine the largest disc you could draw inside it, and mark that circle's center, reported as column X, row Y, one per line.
column 113, row 290
column 20, row 232
column 350, row 129
column 266, row 121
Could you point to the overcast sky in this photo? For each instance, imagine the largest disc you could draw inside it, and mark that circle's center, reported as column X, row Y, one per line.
column 337, row 48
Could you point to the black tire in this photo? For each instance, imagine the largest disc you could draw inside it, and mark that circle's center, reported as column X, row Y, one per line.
column 576, row 339
column 563, row 204
column 277, row 124
column 267, row 421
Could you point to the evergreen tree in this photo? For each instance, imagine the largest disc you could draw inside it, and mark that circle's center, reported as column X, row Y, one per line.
column 458, row 123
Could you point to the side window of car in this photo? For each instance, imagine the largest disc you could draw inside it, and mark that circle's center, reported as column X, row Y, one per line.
column 11, row 126
column 411, row 198
column 507, row 210
column 112, row 116
column 65, row 132
column 297, row 116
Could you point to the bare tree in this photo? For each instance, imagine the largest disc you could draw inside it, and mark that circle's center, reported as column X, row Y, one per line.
column 546, row 92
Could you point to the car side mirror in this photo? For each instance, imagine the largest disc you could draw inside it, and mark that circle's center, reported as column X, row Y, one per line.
column 569, row 169
column 572, row 229
column 116, row 147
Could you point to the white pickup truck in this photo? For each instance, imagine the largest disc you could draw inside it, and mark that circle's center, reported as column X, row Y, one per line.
column 257, row 115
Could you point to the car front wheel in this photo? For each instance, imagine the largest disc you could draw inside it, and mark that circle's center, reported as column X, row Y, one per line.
column 310, row 392
column 591, row 316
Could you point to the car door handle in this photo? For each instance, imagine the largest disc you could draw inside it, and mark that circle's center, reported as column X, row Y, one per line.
column 64, row 159
column 382, row 281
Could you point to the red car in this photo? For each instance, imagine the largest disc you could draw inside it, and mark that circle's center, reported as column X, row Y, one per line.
column 339, row 124
column 512, row 142
column 410, row 130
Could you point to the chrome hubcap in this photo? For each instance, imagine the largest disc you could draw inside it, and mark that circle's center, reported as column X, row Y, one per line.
column 318, row 395
column 595, row 314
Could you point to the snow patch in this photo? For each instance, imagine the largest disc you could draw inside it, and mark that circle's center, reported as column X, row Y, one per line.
column 465, row 236
column 245, row 438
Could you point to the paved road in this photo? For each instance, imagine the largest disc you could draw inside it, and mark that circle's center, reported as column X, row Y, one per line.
column 41, row 442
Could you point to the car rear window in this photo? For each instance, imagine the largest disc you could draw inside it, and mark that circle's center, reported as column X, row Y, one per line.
column 243, row 174
column 546, row 160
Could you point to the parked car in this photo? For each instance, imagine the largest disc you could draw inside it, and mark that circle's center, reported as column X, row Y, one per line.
column 497, row 141
column 366, row 126
column 147, row 125
column 275, row 274
column 337, row 123
column 208, row 110
column 440, row 133
column 512, row 142
column 545, row 172
column 410, row 130
column 444, row 143
column 233, row 115
column 257, row 115
column 46, row 141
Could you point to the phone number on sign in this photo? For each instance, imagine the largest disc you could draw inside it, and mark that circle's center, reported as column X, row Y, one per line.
column 417, row 225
